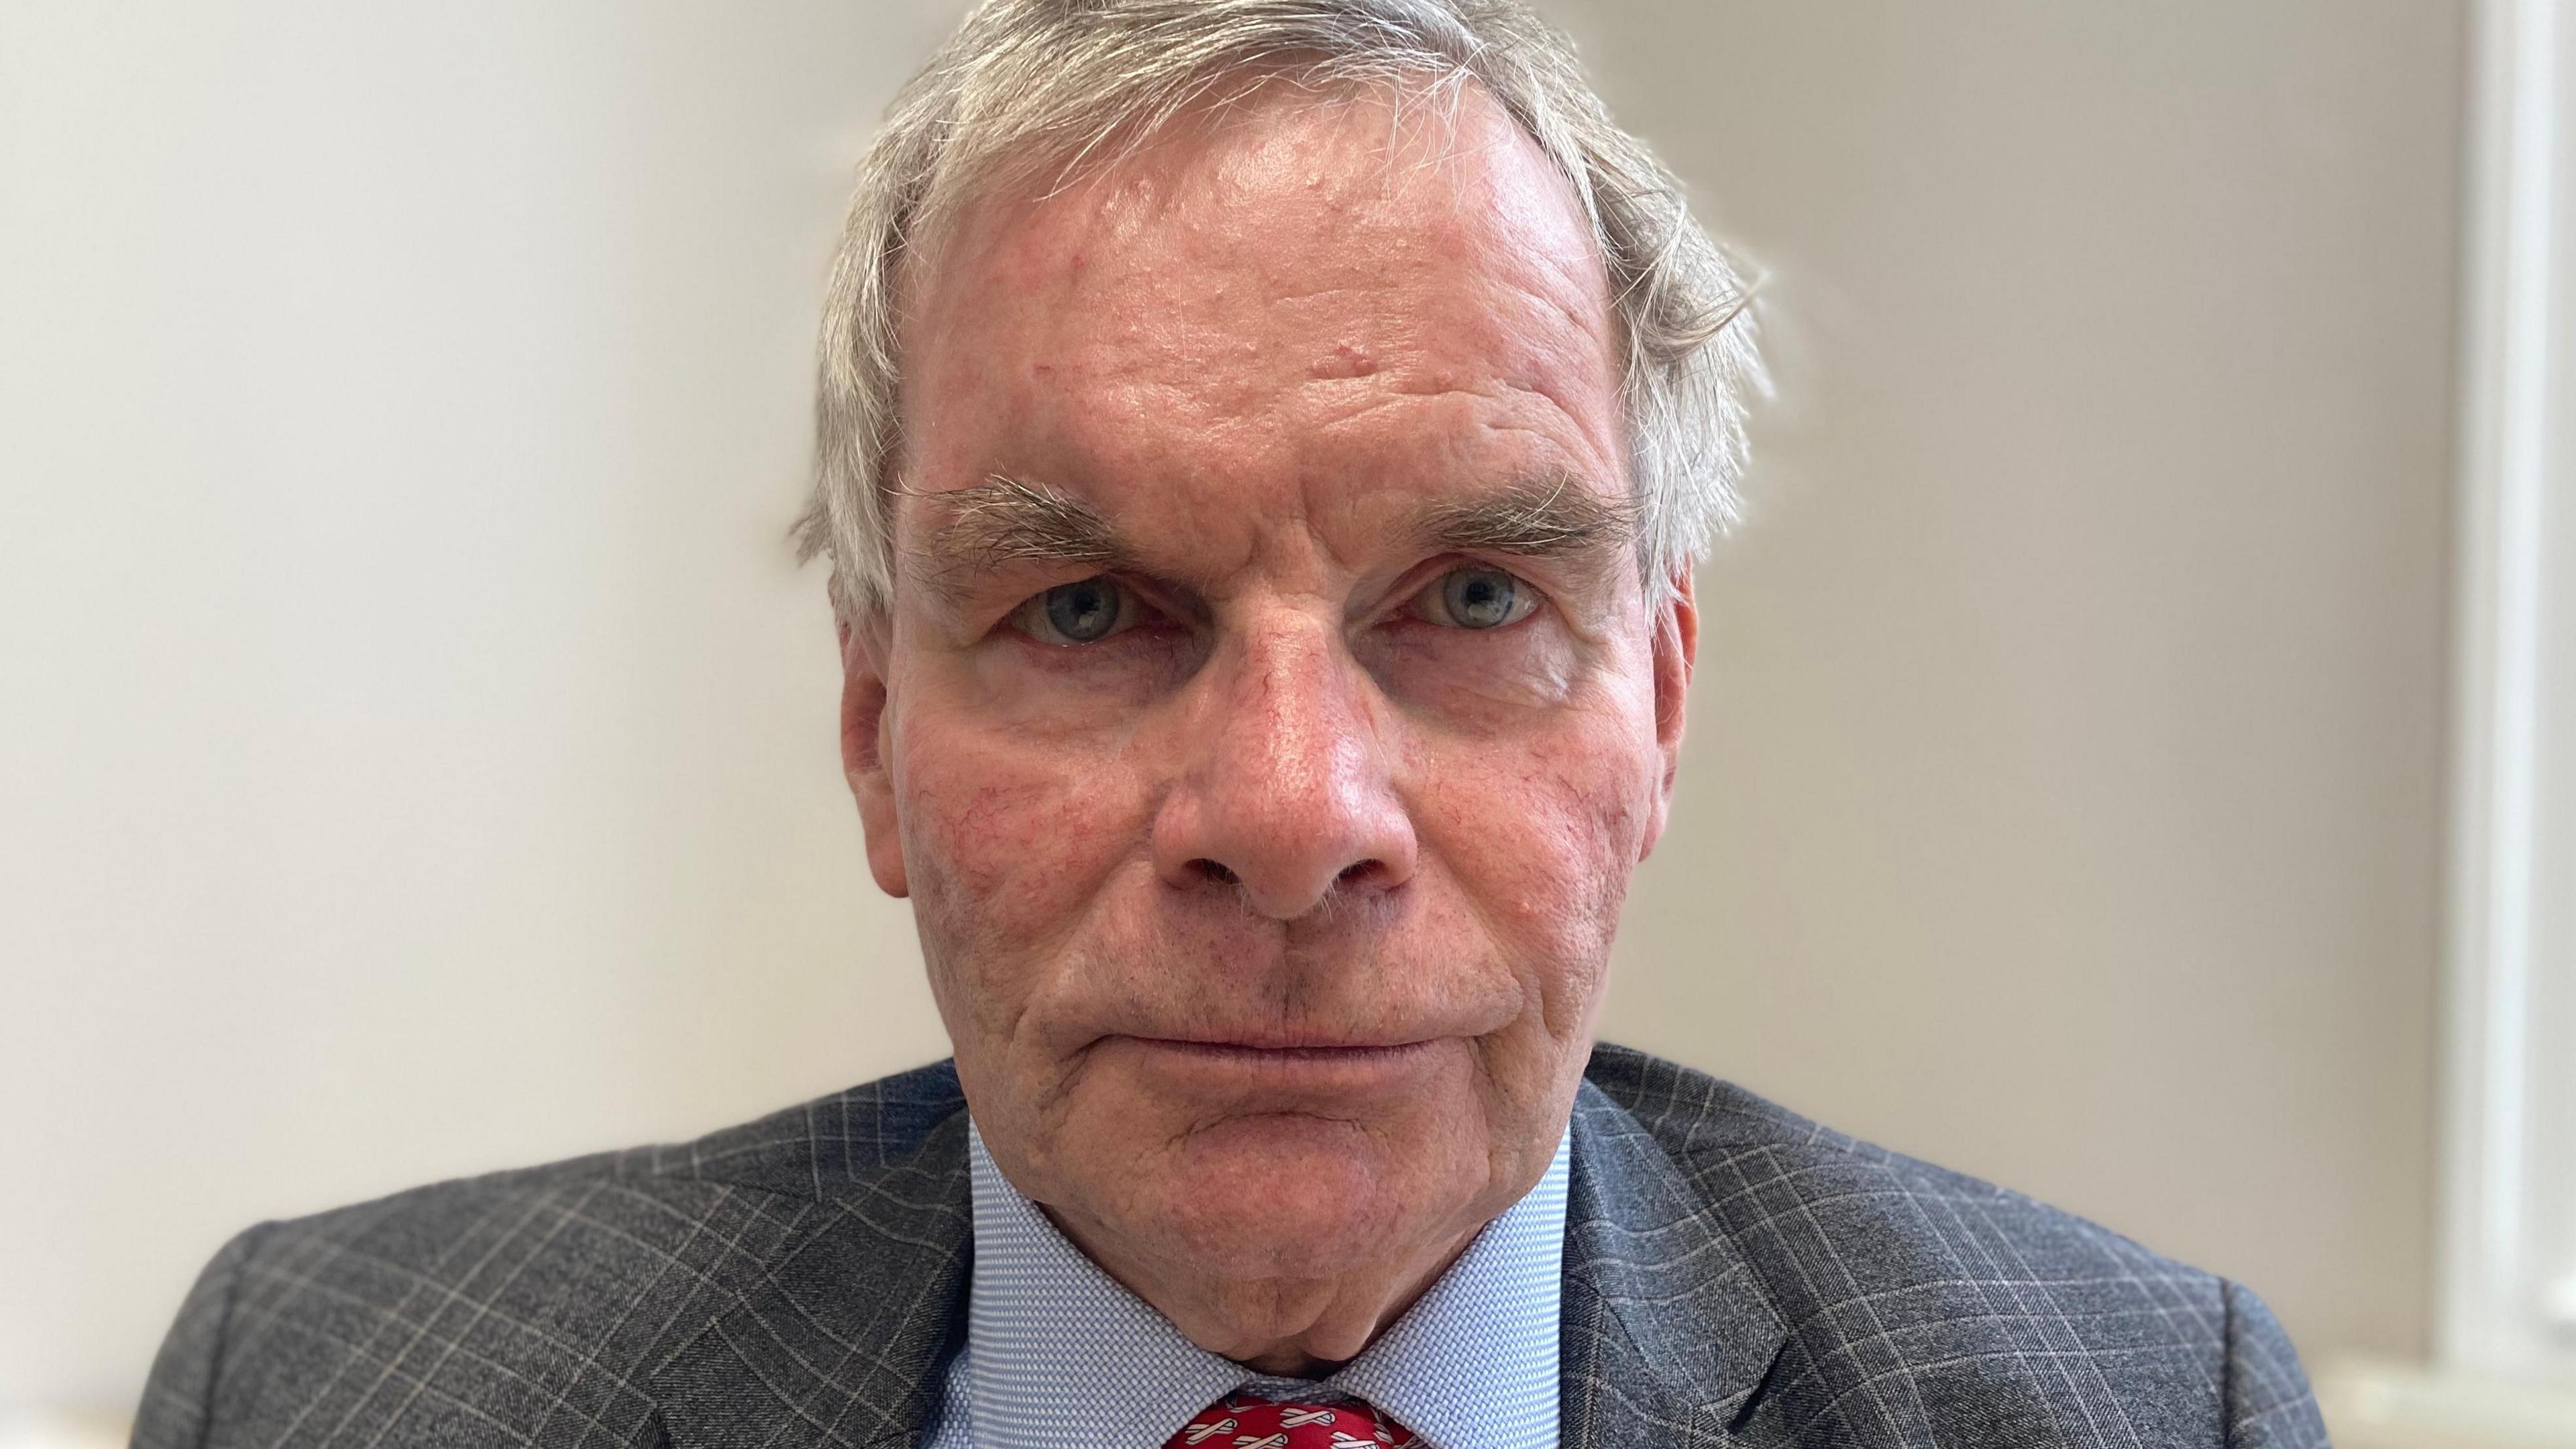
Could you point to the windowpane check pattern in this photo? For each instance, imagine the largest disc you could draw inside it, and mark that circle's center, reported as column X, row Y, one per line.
column 1734, row 1275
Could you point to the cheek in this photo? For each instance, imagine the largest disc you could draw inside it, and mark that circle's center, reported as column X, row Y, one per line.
column 1541, row 831
column 1007, row 847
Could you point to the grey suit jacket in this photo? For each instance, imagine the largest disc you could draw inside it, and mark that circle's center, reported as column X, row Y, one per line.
column 1734, row 1275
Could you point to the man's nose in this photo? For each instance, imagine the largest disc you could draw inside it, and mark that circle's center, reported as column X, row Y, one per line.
column 1283, row 789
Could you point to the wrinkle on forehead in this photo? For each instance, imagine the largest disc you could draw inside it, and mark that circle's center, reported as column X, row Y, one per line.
column 1251, row 330
column 1452, row 168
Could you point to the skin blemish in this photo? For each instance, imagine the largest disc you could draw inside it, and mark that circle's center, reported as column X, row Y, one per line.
column 1346, row 361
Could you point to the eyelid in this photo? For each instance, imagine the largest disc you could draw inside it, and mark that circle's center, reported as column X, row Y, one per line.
column 1408, row 586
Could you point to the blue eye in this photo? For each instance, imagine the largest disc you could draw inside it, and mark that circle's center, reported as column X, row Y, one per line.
column 1477, row 598
column 1076, row 613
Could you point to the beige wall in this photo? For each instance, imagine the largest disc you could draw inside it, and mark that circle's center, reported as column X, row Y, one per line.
column 417, row 750
column 2063, row 795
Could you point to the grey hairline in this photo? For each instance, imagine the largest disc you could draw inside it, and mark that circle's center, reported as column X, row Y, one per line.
column 1686, row 377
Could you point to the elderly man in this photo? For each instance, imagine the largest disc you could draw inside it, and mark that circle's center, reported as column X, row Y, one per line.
column 1264, row 445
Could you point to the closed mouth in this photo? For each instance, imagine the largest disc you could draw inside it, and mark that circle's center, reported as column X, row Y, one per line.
column 1289, row 1053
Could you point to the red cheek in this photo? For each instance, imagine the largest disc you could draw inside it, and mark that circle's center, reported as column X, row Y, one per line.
column 1020, row 836
column 1546, row 840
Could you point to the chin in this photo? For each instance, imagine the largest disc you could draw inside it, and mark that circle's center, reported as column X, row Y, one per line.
column 1287, row 1195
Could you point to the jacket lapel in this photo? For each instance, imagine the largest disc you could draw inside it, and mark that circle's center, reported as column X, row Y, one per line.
column 1666, row 1332
column 841, row 1339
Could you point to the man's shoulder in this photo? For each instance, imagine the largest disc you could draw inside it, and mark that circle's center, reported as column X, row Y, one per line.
column 856, row 1142
column 1782, row 1186
column 533, row 1303
column 1898, row 1284
column 1746, row 1152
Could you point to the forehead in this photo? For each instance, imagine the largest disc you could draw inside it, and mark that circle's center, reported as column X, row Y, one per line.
column 1296, row 294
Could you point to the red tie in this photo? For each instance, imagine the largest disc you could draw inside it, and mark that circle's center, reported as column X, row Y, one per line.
column 1240, row 1421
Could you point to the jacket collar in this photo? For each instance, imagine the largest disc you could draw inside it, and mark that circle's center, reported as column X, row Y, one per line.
column 1666, row 1329
column 843, row 1337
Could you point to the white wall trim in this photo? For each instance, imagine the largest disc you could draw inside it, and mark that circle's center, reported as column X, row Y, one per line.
column 2490, row 1309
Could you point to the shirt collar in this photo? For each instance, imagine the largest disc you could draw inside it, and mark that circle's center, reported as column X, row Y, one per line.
column 1059, row 1352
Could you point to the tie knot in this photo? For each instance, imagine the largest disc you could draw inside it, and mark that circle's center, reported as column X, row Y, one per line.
column 1240, row 1421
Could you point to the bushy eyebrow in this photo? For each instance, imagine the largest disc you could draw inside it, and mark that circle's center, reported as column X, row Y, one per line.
column 1002, row 522
column 1553, row 517
column 1005, row 522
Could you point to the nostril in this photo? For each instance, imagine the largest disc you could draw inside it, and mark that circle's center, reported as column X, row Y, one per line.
column 1210, row 870
column 1354, row 874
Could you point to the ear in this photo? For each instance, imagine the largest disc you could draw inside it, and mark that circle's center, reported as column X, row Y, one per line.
column 1676, row 626
column 866, row 648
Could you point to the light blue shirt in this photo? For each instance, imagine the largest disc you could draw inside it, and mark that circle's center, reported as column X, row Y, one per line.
column 1058, row 1353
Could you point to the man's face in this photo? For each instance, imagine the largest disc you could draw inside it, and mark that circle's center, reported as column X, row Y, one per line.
column 1270, row 715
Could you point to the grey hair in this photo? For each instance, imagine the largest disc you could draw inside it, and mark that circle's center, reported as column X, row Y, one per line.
column 1028, row 85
